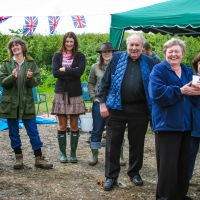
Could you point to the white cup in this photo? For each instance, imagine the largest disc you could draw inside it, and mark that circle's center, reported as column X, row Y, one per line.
column 195, row 79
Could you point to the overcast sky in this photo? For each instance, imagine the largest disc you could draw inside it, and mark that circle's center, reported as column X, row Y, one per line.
column 96, row 12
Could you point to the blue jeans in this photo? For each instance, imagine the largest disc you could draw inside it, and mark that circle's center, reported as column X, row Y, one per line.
column 31, row 129
column 98, row 126
column 194, row 148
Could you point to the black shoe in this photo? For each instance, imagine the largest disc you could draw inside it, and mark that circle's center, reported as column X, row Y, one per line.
column 109, row 184
column 137, row 180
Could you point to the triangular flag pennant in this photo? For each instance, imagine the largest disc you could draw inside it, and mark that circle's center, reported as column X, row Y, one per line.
column 4, row 18
column 53, row 22
column 30, row 25
column 79, row 21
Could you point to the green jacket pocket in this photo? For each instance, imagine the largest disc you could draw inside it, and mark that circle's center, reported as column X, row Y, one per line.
column 5, row 105
column 29, row 107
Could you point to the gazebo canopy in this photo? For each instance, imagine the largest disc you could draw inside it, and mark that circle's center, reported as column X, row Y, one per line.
column 174, row 17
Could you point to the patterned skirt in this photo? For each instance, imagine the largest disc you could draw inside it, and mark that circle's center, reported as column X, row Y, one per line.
column 71, row 106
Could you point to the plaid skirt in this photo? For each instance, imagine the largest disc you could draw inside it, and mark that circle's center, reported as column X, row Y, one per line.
column 71, row 106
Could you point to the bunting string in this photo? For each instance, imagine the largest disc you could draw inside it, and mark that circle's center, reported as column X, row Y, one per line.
column 31, row 23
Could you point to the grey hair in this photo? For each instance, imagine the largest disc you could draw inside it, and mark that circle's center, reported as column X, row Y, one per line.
column 136, row 33
column 173, row 42
column 18, row 41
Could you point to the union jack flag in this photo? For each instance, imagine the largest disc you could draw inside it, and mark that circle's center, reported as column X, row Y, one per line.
column 30, row 25
column 4, row 18
column 53, row 22
column 79, row 21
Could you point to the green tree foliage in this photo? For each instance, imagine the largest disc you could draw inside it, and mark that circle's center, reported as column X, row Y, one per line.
column 3, row 46
column 42, row 48
column 89, row 44
column 157, row 40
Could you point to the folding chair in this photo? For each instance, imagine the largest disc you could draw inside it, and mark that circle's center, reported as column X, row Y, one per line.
column 39, row 98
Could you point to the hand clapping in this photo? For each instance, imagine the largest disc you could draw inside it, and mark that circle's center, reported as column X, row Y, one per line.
column 29, row 74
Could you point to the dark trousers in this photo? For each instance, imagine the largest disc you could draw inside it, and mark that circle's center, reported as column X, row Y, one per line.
column 194, row 148
column 172, row 154
column 137, row 121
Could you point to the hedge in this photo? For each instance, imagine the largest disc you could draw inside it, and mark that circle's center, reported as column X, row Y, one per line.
column 42, row 48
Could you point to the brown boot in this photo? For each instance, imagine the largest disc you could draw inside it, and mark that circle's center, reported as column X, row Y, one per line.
column 40, row 162
column 19, row 161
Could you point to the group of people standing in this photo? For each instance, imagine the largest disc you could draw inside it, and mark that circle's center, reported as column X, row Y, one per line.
column 127, row 89
column 136, row 88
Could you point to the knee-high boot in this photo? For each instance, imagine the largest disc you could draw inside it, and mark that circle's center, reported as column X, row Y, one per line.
column 62, row 141
column 74, row 143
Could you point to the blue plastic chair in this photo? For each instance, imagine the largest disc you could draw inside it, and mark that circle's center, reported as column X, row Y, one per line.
column 39, row 98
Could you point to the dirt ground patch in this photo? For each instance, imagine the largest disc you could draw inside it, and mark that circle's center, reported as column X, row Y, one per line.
column 74, row 181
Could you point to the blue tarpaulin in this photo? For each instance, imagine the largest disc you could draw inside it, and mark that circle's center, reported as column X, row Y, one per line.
column 39, row 120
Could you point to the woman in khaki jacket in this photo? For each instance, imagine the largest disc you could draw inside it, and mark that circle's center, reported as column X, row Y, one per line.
column 96, row 73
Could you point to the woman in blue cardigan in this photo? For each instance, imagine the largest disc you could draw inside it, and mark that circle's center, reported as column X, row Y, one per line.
column 172, row 94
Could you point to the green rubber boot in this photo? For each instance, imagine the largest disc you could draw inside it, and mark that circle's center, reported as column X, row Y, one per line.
column 62, row 141
column 74, row 143
column 94, row 159
column 122, row 161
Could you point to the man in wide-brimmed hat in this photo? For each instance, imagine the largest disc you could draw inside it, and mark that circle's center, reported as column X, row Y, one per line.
column 96, row 73
column 124, row 99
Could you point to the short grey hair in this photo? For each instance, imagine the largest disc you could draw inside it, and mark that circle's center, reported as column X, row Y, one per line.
column 136, row 33
column 18, row 41
column 173, row 42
